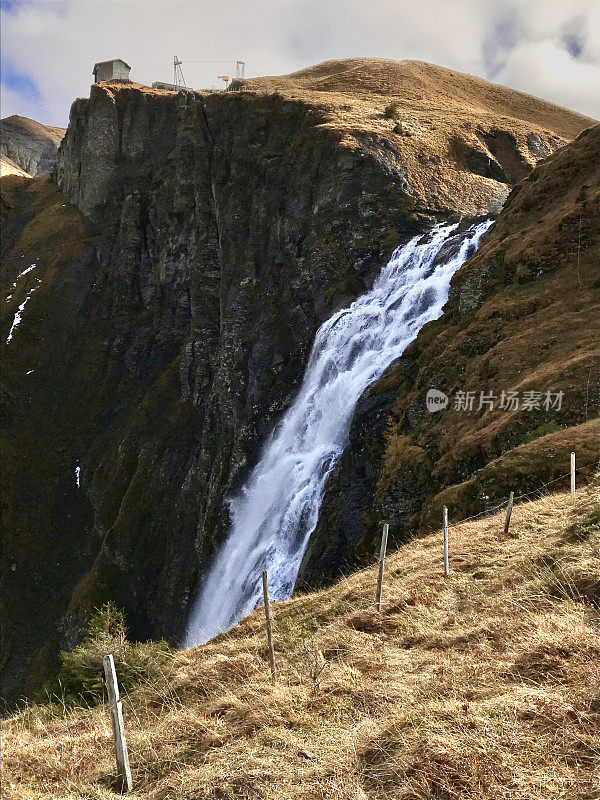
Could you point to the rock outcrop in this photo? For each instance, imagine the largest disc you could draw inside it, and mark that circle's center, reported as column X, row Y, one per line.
column 194, row 245
column 32, row 146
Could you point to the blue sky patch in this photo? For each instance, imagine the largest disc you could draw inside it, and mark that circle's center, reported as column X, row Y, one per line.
column 10, row 5
column 498, row 42
column 573, row 44
column 19, row 82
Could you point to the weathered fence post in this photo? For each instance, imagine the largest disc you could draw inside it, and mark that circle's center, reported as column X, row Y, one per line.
column 265, row 582
column 384, row 538
column 573, row 477
column 508, row 512
column 446, row 560
column 116, row 714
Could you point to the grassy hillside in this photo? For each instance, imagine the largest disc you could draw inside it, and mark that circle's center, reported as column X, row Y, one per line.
column 419, row 84
column 44, row 420
column 481, row 685
column 522, row 316
column 35, row 128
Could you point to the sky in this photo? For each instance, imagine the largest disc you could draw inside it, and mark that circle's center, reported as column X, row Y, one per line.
column 549, row 48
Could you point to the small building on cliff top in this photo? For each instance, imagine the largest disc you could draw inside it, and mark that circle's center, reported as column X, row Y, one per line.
column 114, row 70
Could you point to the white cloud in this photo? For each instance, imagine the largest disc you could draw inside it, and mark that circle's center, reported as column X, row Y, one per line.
column 544, row 19
column 544, row 69
column 591, row 37
column 56, row 42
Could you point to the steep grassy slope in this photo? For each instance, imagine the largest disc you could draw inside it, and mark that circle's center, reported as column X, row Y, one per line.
column 31, row 145
column 481, row 685
column 46, row 418
column 523, row 315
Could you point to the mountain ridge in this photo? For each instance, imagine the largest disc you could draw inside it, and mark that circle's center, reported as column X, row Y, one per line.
column 420, row 81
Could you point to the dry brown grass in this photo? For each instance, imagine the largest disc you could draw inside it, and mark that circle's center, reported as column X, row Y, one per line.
column 414, row 84
column 483, row 685
column 443, row 119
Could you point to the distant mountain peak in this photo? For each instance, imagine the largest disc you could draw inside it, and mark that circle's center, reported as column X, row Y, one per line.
column 31, row 146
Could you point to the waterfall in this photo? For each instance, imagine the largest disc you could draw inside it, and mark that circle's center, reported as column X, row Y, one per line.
column 277, row 509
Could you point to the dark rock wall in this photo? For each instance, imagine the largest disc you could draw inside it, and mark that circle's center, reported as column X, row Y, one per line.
column 236, row 224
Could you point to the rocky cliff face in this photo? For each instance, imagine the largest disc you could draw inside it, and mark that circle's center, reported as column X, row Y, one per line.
column 207, row 238
column 32, row 146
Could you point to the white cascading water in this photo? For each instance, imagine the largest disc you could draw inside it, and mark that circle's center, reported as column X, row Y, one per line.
column 277, row 509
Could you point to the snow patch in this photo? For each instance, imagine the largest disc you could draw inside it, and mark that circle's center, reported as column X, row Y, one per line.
column 25, row 271
column 19, row 314
column 19, row 276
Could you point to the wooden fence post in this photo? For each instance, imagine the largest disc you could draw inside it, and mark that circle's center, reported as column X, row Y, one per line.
column 508, row 512
column 116, row 714
column 384, row 538
column 265, row 582
column 446, row 560
column 573, row 477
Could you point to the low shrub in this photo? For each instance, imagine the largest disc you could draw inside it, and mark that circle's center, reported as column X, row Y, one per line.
column 81, row 675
